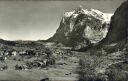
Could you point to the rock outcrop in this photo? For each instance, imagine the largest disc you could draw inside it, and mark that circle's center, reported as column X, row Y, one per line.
column 81, row 28
column 118, row 30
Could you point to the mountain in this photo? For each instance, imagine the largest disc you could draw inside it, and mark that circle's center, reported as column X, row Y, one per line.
column 81, row 28
column 118, row 30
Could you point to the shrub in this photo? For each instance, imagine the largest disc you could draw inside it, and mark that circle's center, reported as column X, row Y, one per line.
column 87, row 70
column 117, row 72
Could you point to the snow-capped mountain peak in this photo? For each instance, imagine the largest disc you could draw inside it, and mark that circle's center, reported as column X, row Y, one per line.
column 90, row 12
column 82, row 27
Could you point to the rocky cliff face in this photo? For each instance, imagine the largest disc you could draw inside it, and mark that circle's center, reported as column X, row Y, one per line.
column 81, row 28
column 119, row 25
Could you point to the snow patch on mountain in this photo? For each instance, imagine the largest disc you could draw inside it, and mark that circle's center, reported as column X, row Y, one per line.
column 107, row 16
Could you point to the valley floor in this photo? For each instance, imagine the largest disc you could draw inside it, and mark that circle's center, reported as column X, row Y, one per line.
column 70, row 67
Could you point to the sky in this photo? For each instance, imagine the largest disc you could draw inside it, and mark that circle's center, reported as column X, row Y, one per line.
column 38, row 20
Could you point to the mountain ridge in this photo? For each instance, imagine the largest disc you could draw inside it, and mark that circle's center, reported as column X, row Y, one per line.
column 80, row 28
